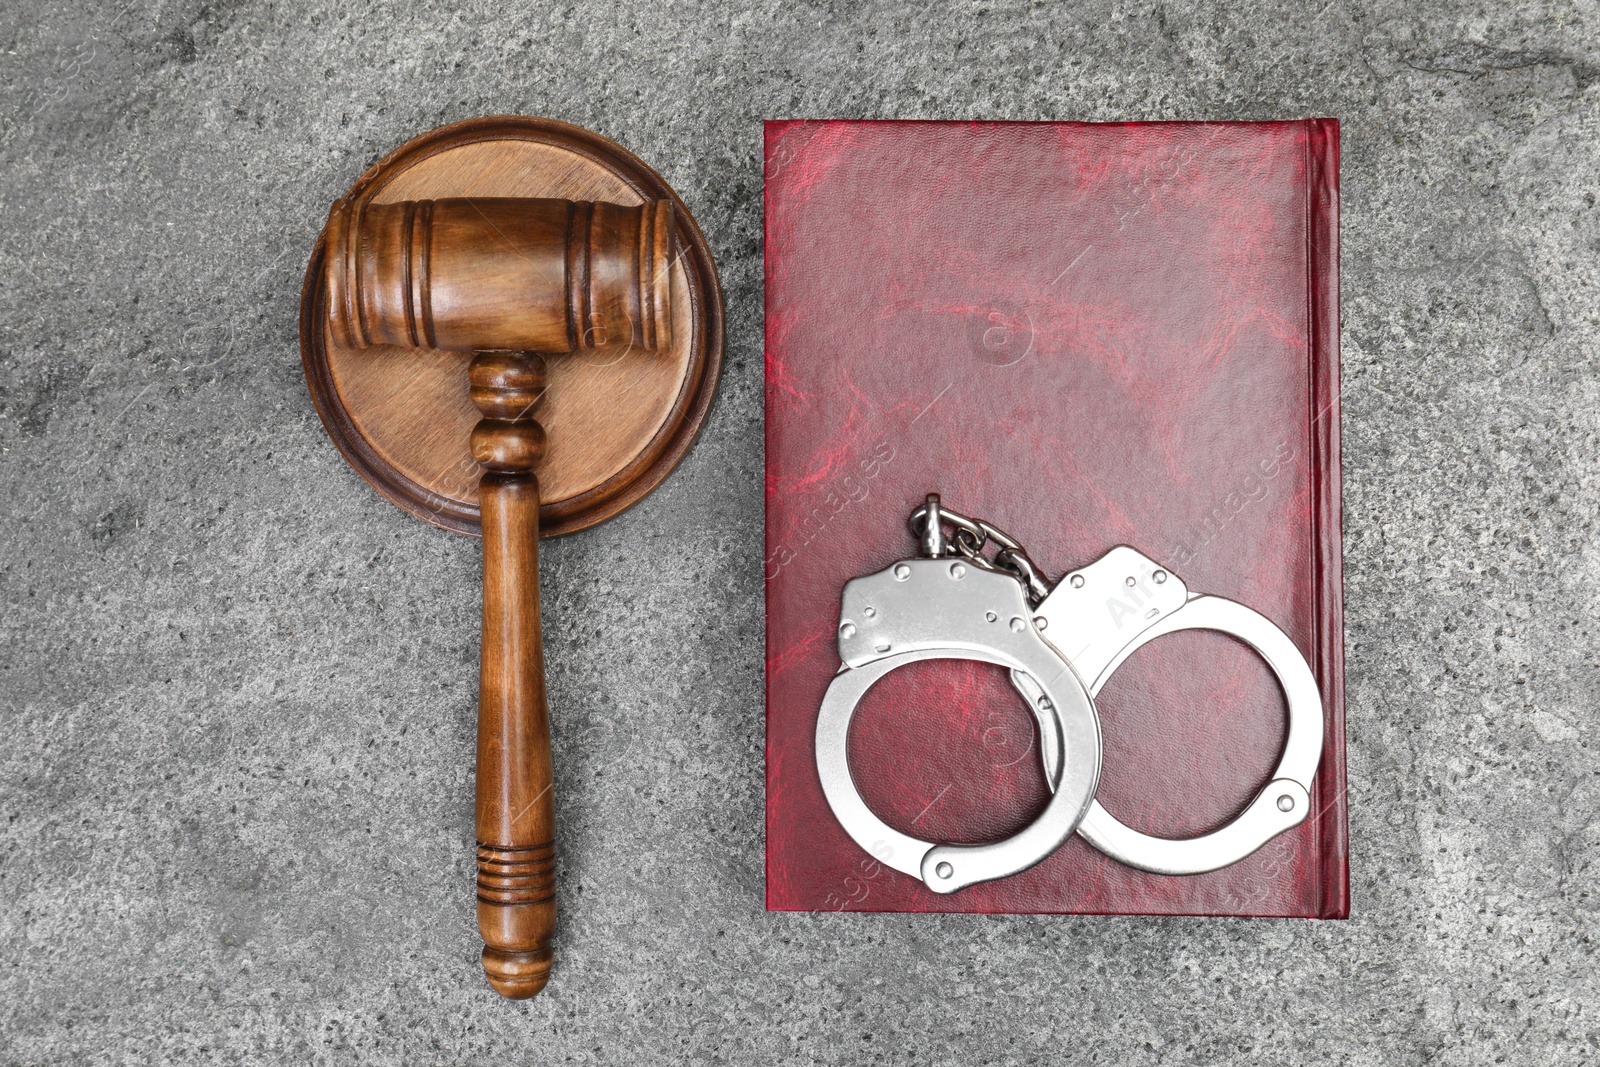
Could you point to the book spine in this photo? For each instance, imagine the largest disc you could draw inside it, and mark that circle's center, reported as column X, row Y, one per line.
column 1322, row 266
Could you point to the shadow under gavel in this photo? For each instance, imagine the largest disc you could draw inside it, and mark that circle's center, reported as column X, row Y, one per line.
column 513, row 280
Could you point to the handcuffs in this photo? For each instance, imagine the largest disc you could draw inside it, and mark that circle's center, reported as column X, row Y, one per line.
column 1061, row 645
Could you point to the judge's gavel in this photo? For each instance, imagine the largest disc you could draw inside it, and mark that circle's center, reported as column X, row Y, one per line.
column 513, row 280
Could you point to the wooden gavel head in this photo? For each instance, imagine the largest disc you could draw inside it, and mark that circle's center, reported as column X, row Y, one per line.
column 500, row 274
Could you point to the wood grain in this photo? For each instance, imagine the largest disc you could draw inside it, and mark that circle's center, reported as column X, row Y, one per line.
column 618, row 422
column 502, row 236
column 516, row 803
column 502, row 274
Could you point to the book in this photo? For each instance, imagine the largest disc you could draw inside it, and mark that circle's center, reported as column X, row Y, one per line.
column 1088, row 335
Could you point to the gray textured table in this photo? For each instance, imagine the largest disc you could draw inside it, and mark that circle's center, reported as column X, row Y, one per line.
column 237, row 685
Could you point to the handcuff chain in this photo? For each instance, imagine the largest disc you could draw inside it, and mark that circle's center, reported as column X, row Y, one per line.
column 968, row 541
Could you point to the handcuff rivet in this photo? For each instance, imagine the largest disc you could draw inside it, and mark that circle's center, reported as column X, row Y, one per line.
column 1040, row 621
column 1286, row 803
column 1017, row 625
column 1131, row 581
column 847, row 630
column 1159, row 576
column 1077, row 581
column 869, row 612
column 957, row 571
column 991, row 616
column 944, row 870
column 902, row 572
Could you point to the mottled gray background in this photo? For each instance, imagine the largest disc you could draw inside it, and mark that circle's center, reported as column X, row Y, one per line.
column 238, row 688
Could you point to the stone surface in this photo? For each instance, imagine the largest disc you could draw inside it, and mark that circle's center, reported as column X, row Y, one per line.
column 236, row 687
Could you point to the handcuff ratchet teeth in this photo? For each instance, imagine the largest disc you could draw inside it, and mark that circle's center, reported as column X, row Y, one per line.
column 1061, row 646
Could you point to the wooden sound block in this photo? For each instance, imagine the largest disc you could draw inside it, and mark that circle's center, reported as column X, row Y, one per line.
column 617, row 419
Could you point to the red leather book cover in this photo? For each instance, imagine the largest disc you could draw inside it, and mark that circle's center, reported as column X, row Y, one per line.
column 1089, row 335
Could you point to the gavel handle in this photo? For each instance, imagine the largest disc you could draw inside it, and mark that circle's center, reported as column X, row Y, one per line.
column 516, row 804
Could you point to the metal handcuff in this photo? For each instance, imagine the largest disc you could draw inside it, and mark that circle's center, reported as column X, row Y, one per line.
column 1061, row 646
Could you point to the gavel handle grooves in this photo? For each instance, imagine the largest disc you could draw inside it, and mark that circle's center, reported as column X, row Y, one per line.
column 515, row 802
